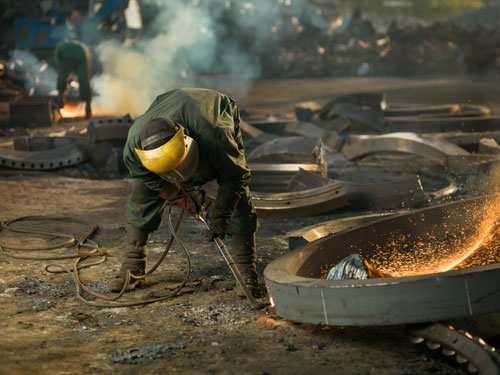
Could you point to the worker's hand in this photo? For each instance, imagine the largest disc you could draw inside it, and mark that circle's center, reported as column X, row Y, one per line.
column 225, row 204
column 218, row 228
column 191, row 201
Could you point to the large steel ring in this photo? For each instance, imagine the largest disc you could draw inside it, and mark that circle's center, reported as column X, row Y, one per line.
column 295, row 284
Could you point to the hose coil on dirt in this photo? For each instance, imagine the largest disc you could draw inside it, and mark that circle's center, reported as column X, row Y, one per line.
column 80, row 255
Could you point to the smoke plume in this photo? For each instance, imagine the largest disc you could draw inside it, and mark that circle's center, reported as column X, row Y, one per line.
column 186, row 39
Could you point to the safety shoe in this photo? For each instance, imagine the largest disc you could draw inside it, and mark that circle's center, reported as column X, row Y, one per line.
column 134, row 259
column 116, row 285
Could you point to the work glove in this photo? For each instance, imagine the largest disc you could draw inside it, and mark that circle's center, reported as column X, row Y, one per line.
column 191, row 200
column 225, row 203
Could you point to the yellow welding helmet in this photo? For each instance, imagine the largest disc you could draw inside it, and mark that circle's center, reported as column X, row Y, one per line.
column 168, row 151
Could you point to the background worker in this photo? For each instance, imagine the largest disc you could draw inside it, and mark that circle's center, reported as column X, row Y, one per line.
column 186, row 138
column 74, row 57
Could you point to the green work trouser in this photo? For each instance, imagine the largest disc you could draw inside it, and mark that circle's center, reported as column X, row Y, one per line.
column 145, row 210
column 78, row 64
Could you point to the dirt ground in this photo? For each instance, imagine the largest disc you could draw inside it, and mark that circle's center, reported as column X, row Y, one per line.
column 206, row 329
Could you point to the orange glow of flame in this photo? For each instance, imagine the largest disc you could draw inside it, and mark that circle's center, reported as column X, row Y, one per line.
column 72, row 110
column 271, row 301
column 482, row 240
column 77, row 109
column 456, row 248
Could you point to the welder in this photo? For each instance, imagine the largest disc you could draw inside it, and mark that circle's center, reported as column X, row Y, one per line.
column 74, row 57
column 186, row 138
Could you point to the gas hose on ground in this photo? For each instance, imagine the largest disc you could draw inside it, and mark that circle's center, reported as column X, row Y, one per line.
column 81, row 255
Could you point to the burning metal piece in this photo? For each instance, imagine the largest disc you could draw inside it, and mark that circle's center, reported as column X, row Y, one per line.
column 428, row 286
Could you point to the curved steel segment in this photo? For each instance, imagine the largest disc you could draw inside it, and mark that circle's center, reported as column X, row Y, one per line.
column 295, row 204
column 444, row 110
column 276, row 177
column 442, row 124
column 295, row 284
column 470, row 353
column 42, row 160
column 292, row 149
column 412, row 143
column 108, row 129
column 404, row 191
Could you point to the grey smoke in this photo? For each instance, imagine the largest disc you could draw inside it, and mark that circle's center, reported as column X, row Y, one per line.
column 38, row 77
column 188, row 39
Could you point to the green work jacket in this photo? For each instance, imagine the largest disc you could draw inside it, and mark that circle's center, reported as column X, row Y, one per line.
column 211, row 119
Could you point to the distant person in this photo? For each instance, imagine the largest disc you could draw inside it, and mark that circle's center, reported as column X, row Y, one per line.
column 74, row 57
column 185, row 139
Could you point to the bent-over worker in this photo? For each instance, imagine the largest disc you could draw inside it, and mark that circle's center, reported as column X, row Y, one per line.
column 186, row 138
column 74, row 57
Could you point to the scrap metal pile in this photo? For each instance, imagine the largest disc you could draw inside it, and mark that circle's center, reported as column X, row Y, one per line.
column 356, row 152
column 329, row 40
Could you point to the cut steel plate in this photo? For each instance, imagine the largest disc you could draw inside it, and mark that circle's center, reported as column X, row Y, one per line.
column 43, row 143
column 42, row 160
column 108, row 129
column 360, row 118
column 289, row 150
column 420, row 109
column 295, row 284
column 403, row 191
column 273, row 124
column 276, row 177
column 296, row 204
column 445, row 110
column 361, row 99
column 256, row 134
column 306, row 129
column 418, row 144
column 315, row 232
column 442, row 124
column 469, row 141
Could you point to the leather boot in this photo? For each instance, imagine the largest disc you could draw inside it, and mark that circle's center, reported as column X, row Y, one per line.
column 134, row 259
column 244, row 251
